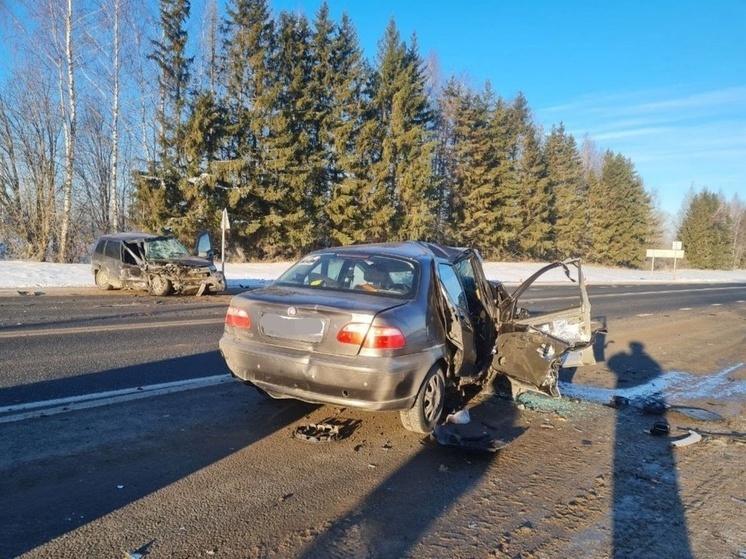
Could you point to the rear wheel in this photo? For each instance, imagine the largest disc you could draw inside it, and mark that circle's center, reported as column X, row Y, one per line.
column 423, row 416
column 159, row 286
column 102, row 279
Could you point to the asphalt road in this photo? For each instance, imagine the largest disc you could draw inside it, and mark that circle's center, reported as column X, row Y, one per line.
column 87, row 435
column 60, row 346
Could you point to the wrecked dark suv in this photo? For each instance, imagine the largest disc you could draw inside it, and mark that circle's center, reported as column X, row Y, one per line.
column 394, row 326
column 159, row 264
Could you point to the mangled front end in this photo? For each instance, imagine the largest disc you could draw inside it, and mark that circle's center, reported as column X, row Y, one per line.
column 177, row 277
column 536, row 338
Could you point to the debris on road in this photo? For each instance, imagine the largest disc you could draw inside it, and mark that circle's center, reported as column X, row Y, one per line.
column 732, row 435
column 660, row 428
column 460, row 417
column 618, row 402
column 448, row 435
column 317, row 433
column 690, row 439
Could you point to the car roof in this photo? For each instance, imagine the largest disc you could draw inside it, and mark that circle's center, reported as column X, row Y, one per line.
column 406, row 249
column 129, row 236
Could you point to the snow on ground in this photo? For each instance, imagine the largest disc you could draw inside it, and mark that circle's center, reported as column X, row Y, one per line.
column 14, row 273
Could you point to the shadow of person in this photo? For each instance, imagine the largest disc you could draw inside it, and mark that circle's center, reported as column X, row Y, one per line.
column 648, row 517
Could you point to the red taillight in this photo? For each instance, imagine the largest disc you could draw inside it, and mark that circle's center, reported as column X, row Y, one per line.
column 353, row 333
column 373, row 337
column 238, row 318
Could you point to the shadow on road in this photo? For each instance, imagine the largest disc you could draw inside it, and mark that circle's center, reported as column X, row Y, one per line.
column 648, row 517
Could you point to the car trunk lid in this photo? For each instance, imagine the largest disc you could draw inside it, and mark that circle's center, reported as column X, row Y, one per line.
column 305, row 318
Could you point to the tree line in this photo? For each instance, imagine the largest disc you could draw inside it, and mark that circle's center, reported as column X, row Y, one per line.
column 284, row 122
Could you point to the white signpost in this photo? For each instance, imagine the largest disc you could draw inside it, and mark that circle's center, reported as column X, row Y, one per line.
column 675, row 252
column 225, row 224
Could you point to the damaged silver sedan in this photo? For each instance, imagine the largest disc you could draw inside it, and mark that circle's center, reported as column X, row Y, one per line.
column 159, row 264
column 394, row 326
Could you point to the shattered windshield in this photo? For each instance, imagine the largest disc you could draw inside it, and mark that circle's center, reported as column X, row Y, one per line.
column 163, row 248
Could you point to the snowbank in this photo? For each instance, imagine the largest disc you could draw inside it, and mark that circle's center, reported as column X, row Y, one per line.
column 14, row 273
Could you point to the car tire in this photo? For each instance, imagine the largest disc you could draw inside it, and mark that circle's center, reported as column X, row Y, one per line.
column 102, row 279
column 159, row 286
column 424, row 415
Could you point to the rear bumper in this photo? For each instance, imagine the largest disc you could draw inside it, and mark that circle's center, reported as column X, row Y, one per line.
column 369, row 383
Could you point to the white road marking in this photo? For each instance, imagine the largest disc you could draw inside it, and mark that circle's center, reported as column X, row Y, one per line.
column 716, row 305
column 685, row 308
column 108, row 327
column 526, row 299
column 643, row 315
column 31, row 410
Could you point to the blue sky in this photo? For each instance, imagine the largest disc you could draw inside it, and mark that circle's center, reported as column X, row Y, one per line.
column 662, row 82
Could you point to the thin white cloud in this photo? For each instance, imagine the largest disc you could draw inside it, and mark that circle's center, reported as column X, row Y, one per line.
column 646, row 101
column 630, row 133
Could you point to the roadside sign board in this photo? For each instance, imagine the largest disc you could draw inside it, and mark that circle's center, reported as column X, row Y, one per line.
column 664, row 253
column 225, row 223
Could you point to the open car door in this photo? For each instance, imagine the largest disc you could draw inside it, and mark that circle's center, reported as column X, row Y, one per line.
column 536, row 335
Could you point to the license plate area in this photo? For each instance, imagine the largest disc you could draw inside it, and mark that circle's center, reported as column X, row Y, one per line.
column 302, row 329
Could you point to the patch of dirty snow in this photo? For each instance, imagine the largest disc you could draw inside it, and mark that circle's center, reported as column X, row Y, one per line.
column 674, row 386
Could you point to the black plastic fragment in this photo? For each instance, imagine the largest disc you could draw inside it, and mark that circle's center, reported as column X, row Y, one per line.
column 317, row 433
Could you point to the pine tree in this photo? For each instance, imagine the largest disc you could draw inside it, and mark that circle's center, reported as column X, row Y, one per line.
column 706, row 232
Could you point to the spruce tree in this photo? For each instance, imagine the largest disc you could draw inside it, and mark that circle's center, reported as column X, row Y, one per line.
column 706, row 232
column 158, row 197
column 349, row 162
column 203, row 195
column 534, row 239
column 448, row 102
column 245, row 81
column 621, row 214
column 291, row 147
column 169, row 55
column 475, row 164
column 413, row 122
column 506, row 124
column 570, row 193
column 400, row 197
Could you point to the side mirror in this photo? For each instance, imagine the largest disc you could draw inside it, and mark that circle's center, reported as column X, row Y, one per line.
column 204, row 246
